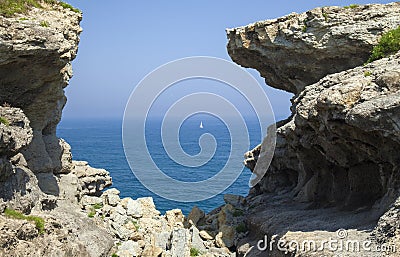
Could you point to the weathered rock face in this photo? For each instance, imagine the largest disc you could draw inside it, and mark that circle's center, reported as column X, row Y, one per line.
column 37, row 174
column 300, row 49
column 15, row 133
column 339, row 146
column 338, row 150
column 34, row 69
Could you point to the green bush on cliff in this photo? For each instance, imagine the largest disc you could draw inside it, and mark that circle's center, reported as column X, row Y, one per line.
column 4, row 121
column 352, row 6
column 68, row 6
column 388, row 44
column 10, row 7
column 241, row 228
column 39, row 222
column 194, row 252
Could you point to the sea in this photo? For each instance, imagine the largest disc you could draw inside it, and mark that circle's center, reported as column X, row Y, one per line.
column 99, row 142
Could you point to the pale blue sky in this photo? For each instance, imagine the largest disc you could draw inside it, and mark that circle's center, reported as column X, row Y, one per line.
column 124, row 40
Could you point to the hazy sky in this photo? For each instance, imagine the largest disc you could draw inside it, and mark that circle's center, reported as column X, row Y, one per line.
column 124, row 40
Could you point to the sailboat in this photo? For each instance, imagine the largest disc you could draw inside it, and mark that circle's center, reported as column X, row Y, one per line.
column 201, row 124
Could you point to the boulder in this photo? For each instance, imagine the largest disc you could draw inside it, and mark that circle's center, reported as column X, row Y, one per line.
column 195, row 215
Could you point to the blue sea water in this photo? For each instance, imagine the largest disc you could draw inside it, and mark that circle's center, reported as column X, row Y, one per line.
column 99, row 142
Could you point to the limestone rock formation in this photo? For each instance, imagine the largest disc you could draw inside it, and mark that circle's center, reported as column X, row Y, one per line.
column 297, row 50
column 37, row 175
column 336, row 155
column 34, row 69
column 15, row 131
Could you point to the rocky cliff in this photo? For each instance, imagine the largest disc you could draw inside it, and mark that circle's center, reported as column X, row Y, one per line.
column 51, row 205
column 336, row 164
column 335, row 167
column 37, row 175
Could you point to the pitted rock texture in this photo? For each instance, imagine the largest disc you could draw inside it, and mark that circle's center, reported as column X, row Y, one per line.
column 299, row 49
column 335, row 159
column 37, row 174
column 34, row 69
column 91, row 180
column 339, row 148
column 16, row 133
column 336, row 163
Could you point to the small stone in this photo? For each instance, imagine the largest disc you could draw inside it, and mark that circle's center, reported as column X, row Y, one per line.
column 195, row 215
column 174, row 218
column 162, row 240
column 112, row 191
column 234, row 200
column 90, row 200
column 205, row 235
column 225, row 237
column 131, row 247
column 133, row 208
column 111, row 199
column 197, row 242
column 180, row 243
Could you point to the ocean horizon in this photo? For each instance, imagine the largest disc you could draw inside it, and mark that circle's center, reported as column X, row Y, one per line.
column 99, row 142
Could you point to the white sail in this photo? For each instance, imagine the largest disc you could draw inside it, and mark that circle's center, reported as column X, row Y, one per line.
column 201, row 124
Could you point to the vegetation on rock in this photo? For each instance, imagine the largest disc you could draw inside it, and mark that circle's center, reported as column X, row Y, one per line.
column 4, row 121
column 367, row 73
column 68, row 6
column 241, row 228
column 91, row 213
column 352, row 6
column 44, row 24
column 238, row 213
column 39, row 222
column 194, row 252
column 10, row 7
column 388, row 44
column 97, row 206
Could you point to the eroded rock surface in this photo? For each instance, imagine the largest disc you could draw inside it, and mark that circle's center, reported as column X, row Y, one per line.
column 297, row 50
column 335, row 165
column 34, row 68
column 37, row 175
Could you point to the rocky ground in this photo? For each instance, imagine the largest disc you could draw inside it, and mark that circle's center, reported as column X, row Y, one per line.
column 335, row 166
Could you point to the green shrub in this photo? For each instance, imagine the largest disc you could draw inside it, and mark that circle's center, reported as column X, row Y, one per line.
column 39, row 222
column 367, row 73
column 91, row 213
column 114, row 255
column 194, row 252
column 304, row 28
column 10, row 7
column 325, row 16
column 388, row 44
column 68, row 6
column 4, row 121
column 352, row 6
column 97, row 206
column 135, row 223
column 241, row 228
column 237, row 213
column 44, row 24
